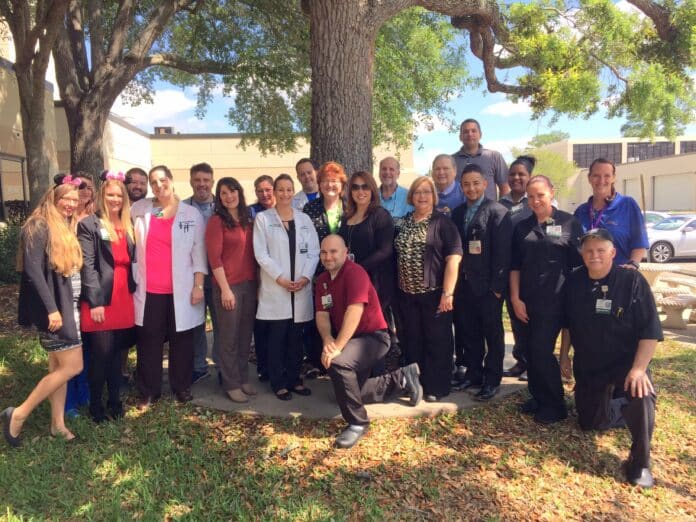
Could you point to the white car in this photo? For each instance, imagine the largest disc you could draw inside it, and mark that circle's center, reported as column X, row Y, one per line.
column 652, row 217
column 672, row 237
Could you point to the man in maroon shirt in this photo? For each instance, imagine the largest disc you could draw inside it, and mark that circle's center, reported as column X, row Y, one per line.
column 355, row 337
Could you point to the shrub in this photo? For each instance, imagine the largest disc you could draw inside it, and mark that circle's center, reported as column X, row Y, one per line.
column 9, row 243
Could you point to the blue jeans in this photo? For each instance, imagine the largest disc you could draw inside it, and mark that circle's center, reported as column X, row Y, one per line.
column 200, row 341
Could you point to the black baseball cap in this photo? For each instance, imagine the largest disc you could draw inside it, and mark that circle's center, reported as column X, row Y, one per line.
column 597, row 233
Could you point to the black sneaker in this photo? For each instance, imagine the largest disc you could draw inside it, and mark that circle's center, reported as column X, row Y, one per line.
column 198, row 376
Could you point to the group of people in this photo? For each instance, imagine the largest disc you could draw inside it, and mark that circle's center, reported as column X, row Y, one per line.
column 334, row 275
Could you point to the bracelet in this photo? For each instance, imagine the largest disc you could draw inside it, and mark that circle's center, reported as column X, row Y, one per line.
column 447, row 295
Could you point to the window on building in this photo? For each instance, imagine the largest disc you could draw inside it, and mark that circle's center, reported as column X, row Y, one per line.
column 643, row 151
column 585, row 154
column 687, row 146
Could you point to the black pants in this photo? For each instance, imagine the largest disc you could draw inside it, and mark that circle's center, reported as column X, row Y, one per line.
column 350, row 375
column 478, row 323
column 543, row 371
column 159, row 326
column 284, row 343
column 261, row 347
column 105, row 349
column 519, row 350
column 603, row 405
column 427, row 339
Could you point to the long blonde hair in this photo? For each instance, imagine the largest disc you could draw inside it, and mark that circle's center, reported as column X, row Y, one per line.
column 125, row 216
column 63, row 249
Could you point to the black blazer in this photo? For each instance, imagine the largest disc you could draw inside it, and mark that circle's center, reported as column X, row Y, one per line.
column 98, row 263
column 42, row 290
column 489, row 270
column 441, row 241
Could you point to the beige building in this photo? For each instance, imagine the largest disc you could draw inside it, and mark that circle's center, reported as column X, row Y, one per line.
column 659, row 175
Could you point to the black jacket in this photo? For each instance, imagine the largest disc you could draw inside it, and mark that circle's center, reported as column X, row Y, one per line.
column 491, row 225
column 42, row 290
column 98, row 263
column 441, row 241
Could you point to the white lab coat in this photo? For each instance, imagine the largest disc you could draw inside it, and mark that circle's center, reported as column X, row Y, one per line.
column 188, row 256
column 272, row 251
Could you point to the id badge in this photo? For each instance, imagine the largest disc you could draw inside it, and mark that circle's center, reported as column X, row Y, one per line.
column 104, row 234
column 603, row 306
column 554, row 230
column 475, row 247
column 304, row 248
column 326, row 301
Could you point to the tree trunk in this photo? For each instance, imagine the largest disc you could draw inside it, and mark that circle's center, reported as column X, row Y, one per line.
column 342, row 60
column 86, row 122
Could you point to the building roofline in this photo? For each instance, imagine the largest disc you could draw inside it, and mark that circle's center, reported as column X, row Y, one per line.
column 8, row 65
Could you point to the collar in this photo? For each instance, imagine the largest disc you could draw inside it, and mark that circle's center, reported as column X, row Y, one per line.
column 507, row 197
column 464, row 153
column 393, row 195
column 448, row 190
column 473, row 207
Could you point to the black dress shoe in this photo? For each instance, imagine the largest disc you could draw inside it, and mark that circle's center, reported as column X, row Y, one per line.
column 637, row 476
column 6, row 416
column 284, row 396
column 350, row 436
column 530, row 407
column 183, row 396
column 97, row 414
column 515, row 371
column 305, row 392
column 467, row 384
column 487, row 392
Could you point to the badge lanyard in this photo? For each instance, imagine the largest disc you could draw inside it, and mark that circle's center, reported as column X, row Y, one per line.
column 595, row 222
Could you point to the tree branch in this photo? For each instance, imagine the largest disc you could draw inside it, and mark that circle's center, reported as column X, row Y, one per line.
column 158, row 20
column 191, row 67
column 660, row 16
column 119, row 34
column 96, row 31
column 75, row 34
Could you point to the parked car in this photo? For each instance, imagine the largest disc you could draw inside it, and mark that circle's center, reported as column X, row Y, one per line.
column 652, row 217
column 672, row 237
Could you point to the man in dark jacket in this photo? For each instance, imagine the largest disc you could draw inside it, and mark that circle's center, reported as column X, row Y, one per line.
column 486, row 231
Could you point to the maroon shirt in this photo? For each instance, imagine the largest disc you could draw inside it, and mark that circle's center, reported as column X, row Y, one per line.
column 351, row 286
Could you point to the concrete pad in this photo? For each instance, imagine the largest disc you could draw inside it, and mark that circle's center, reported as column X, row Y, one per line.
column 322, row 403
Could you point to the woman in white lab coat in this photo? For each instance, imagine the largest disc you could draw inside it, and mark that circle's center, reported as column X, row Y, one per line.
column 286, row 247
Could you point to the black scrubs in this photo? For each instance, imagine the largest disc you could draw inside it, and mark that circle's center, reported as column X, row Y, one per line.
column 545, row 254
column 605, row 340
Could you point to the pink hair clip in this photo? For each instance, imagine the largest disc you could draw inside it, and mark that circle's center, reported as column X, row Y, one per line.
column 118, row 176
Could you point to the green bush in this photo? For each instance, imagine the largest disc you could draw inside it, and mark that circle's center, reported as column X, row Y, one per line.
column 9, row 243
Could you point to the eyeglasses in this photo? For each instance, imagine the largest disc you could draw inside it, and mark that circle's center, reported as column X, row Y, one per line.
column 359, row 186
column 423, row 193
column 71, row 200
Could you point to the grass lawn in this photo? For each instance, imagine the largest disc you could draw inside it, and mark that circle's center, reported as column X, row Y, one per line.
column 488, row 463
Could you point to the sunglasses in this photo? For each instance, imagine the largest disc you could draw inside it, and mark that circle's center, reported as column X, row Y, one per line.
column 359, row 186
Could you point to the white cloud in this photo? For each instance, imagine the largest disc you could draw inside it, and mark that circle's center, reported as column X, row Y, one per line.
column 505, row 146
column 507, row 108
column 168, row 103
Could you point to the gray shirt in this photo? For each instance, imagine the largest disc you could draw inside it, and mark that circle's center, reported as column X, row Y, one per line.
column 495, row 170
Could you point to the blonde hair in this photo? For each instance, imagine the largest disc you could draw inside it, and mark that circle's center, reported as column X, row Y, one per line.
column 63, row 249
column 126, row 223
column 422, row 180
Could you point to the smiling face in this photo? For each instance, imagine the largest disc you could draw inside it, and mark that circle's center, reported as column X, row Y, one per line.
column 423, row 198
column 518, row 177
column 473, row 186
column 284, row 192
column 68, row 202
column 307, row 176
column 443, row 173
column 161, row 185
column 264, row 194
column 229, row 198
column 470, row 135
column 137, row 188
column 598, row 256
column 540, row 199
column 360, row 191
column 202, row 185
column 389, row 173
column 602, row 179
column 113, row 198
column 330, row 187
column 333, row 253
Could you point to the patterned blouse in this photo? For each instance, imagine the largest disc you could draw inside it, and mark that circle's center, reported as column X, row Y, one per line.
column 410, row 249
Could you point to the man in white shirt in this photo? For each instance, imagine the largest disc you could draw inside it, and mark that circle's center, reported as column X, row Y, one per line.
column 306, row 170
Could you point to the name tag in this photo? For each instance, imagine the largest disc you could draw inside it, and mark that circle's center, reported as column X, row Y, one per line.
column 603, row 306
column 304, row 248
column 554, row 230
column 326, row 301
column 475, row 247
column 104, row 234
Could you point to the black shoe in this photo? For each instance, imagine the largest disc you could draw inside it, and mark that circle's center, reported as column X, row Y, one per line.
column 515, row 371
column 550, row 415
column 312, row 373
column 284, row 396
column 198, row 376
column 96, row 412
column 637, row 476
column 467, row 384
column 263, row 377
column 530, row 407
column 115, row 409
column 304, row 391
column 523, row 377
column 412, row 383
column 350, row 436
column 458, row 376
column 6, row 416
column 184, row 396
column 487, row 392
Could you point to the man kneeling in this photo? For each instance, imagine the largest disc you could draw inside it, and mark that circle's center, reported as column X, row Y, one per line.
column 347, row 306
column 614, row 328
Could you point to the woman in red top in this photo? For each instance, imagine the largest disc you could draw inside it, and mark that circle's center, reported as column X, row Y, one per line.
column 107, row 315
column 228, row 239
